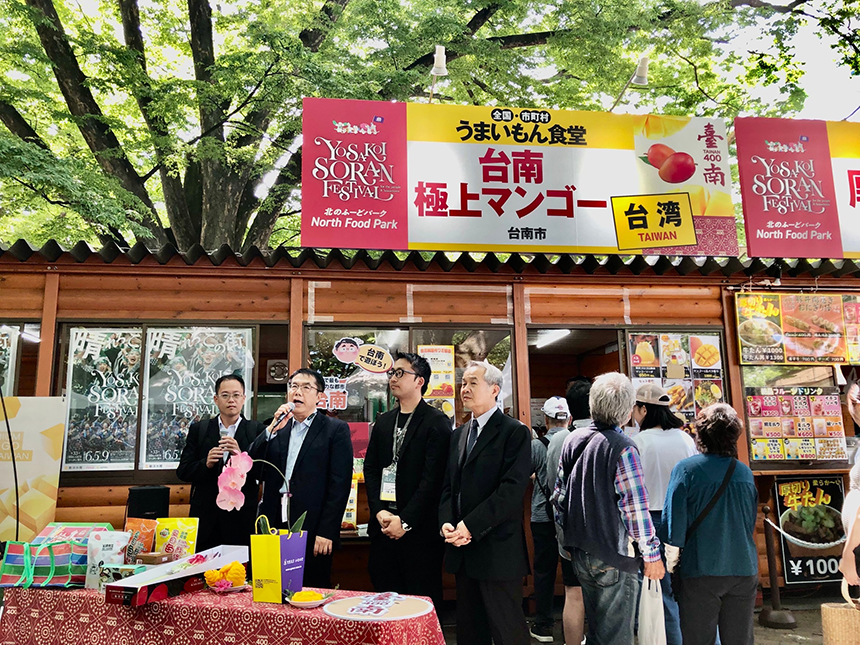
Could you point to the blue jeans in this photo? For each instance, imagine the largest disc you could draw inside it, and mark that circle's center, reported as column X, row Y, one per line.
column 610, row 597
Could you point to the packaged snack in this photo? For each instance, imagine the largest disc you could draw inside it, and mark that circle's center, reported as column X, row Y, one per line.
column 104, row 547
column 142, row 537
column 349, row 516
column 115, row 572
column 177, row 535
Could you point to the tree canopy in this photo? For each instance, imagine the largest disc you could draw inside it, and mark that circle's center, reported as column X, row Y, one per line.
column 161, row 122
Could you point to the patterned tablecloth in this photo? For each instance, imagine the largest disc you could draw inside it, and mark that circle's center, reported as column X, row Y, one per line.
column 72, row 616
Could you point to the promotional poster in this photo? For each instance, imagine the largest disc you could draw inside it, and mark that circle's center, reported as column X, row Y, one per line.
column 181, row 369
column 103, row 384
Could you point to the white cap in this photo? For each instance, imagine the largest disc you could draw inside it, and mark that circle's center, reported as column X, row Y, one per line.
column 556, row 408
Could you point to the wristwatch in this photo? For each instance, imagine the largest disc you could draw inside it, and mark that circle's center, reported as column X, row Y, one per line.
column 405, row 526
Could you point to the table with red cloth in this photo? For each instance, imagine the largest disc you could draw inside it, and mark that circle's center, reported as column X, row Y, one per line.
column 72, row 616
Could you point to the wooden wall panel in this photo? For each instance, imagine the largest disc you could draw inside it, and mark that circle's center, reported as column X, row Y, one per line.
column 22, row 295
column 107, row 503
column 354, row 301
column 441, row 303
column 173, row 298
column 624, row 305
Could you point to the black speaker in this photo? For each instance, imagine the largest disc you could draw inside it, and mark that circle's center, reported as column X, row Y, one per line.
column 148, row 502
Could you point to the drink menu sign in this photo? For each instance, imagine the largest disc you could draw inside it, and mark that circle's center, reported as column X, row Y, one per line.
column 688, row 366
column 800, row 183
column 795, row 424
column 782, row 329
column 404, row 176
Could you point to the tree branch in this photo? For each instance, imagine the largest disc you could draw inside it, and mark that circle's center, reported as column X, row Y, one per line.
column 270, row 210
column 314, row 36
column 18, row 125
column 761, row 4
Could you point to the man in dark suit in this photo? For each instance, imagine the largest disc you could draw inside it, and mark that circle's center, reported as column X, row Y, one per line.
column 202, row 460
column 403, row 492
column 481, row 513
column 314, row 453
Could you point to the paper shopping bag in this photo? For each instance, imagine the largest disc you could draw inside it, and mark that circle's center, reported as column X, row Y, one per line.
column 277, row 560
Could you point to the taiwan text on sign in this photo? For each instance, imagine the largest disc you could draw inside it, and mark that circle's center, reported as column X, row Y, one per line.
column 463, row 178
column 653, row 221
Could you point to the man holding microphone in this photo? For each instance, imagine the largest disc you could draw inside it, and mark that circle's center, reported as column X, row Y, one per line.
column 314, row 453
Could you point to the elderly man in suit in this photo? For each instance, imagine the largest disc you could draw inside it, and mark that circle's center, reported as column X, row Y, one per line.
column 314, row 453
column 403, row 470
column 481, row 514
column 203, row 459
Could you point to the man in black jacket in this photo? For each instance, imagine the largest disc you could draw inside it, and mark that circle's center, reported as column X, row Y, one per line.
column 403, row 470
column 314, row 453
column 481, row 514
column 203, row 459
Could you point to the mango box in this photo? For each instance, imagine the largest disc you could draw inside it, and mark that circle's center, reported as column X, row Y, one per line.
column 173, row 578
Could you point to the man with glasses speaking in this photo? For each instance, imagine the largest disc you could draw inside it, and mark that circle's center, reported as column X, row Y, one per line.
column 314, row 452
column 404, row 469
column 210, row 442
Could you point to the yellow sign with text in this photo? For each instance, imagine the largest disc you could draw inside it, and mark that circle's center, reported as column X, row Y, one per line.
column 653, row 221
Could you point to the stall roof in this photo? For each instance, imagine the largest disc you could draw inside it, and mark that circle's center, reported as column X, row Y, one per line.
column 516, row 263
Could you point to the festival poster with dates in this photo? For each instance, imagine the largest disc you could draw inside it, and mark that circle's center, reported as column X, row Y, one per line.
column 182, row 367
column 688, row 366
column 791, row 329
column 102, row 389
column 795, row 424
column 808, row 510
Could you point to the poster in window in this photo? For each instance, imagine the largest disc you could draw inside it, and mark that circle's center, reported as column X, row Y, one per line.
column 181, row 369
column 808, row 512
column 102, row 388
column 8, row 356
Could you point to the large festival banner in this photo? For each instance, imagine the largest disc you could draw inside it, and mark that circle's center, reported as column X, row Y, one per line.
column 8, row 357
column 800, row 183
column 379, row 175
column 181, row 369
column 103, row 385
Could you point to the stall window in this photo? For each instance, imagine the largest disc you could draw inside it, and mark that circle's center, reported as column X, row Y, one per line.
column 466, row 345
column 9, row 342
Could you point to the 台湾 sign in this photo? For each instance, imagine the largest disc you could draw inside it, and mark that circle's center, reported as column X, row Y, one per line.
column 402, row 176
column 800, row 182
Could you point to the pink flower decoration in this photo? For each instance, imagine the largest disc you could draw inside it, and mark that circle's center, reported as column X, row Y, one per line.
column 231, row 478
column 230, row 499
column 197, row 559
column 222, row 585
column 241, row 462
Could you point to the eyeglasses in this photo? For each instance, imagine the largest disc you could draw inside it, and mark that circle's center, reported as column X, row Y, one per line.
column 399, row 372
column 304, row 387
column 230, row 397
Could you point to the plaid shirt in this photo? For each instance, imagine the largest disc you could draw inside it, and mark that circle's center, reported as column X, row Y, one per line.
column 633, row 503
column 630, row 486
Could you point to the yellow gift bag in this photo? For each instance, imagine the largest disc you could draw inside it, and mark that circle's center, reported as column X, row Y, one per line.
column 277, row 560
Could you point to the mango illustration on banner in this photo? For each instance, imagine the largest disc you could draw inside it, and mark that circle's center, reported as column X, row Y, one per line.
column 374, row 359
column 659, row 127
column 709, row 202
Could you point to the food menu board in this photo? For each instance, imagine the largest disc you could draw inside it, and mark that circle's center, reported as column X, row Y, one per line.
column 781, row 329
column 795, row 424
column 688, row 366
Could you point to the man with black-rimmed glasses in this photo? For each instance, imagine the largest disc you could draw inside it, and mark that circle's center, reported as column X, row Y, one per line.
column 403, row 470
column 314, row 452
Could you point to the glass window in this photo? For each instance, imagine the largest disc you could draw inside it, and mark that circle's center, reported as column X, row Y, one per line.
column 9, row 335
column 355, row 394
column 492, row 345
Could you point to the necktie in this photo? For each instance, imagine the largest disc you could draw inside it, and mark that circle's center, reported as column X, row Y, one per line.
column 472, row 438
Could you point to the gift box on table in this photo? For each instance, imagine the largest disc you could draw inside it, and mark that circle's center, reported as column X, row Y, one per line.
column 185, row 575
column 277, row 560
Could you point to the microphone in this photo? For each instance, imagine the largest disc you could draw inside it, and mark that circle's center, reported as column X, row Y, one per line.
column 223, row 433
column 290, row 406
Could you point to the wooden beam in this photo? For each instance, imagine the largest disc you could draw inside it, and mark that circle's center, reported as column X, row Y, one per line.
column 48, row 332
column 297, row 349
column 733, row 370
column 521, row 353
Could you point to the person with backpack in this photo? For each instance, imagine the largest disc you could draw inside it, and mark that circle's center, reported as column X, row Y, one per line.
column 556, row 419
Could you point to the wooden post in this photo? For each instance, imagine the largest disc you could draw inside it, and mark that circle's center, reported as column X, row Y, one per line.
column 48, row 332
column 297, row 349
column 733, row 370
column 521, row 354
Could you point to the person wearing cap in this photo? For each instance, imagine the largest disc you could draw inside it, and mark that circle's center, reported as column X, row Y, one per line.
column 556, row 419
column 662, row 444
